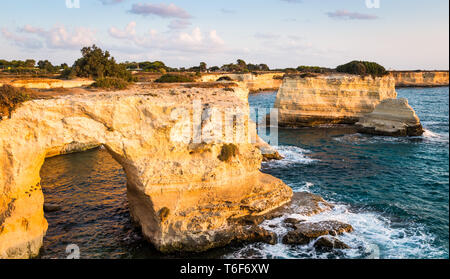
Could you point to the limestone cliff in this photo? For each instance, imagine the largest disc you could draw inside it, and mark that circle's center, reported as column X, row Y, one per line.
column 47, row 83
column 254, row 82
column 392, row 117
column 420, row 79
column 184, row 192
column 330, row 99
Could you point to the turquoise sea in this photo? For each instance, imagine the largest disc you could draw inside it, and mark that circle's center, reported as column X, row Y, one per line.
column 393, row 191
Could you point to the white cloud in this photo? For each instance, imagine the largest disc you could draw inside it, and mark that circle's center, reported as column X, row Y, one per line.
column 343, row 14
column 177, row 41
column 56, row 37
column 161, row 10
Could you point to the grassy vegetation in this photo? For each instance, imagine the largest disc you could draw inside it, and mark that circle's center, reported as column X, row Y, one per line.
column 111, row 83
column 11, row 97
column 362, row 68
column 171, row 78
column 228, row 151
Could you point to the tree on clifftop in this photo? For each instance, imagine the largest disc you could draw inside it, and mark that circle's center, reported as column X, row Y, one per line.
column 362, row 68
column 97, row 64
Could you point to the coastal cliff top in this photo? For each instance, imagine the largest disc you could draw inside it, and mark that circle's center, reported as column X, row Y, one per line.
column 334, row 76
column 139, row 89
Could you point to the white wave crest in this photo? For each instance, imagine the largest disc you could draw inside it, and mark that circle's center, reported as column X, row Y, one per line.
column 291, row 155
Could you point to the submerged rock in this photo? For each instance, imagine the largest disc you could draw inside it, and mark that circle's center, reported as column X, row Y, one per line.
column 48, row 207
column 305, row 232
column 392, row 117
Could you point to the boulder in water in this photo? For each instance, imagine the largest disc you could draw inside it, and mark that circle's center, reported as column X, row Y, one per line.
column 305, row 232
column 392, row 117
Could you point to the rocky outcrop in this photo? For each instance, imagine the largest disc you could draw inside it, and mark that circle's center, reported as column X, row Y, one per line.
column 47, row 83
column 255, row 82
column 185, row 190
column 305, row 100
column 305, row 232
column 392, row 117
column 420, row 79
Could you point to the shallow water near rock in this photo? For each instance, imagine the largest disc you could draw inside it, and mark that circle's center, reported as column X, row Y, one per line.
column 393, row 191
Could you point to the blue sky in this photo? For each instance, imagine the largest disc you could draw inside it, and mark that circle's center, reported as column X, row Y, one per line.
column 400, row 34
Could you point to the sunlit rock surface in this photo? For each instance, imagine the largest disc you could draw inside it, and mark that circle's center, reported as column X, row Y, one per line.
column 304, row 100
column 392, row 117
column 420, row 79
column 185, row 194
column 46, row 83
column 255, row 82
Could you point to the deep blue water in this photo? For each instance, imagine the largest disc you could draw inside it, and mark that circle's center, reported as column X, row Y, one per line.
column 400, row 185
column 394, row 191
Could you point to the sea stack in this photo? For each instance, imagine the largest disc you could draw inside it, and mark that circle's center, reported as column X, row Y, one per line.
column 310, row 100
column 392, row 117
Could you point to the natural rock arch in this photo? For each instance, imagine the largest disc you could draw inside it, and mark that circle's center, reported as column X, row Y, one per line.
column 181, row 194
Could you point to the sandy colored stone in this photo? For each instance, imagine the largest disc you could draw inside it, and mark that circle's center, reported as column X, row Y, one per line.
column 330, row 99
column 420, row 79
column 46, row 83
column 255, row 82
column 181, row 194
column 392, row 117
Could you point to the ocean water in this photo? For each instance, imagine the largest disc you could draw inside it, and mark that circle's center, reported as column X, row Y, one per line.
column 393, row 191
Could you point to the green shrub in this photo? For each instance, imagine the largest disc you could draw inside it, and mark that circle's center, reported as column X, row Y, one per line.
column 225, row 78
column 313, row 69
column 111, row 83
column 168, row 78
column 96, row 63
column 362, row 68
column 10, row 98
column 228, row 151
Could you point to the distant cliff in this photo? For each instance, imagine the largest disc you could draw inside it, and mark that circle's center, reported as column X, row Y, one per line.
column 47, row 83
column 255, row 82
column 330, row 99
column 420, row 79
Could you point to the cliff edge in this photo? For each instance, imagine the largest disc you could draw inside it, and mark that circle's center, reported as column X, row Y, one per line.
column 185, row 188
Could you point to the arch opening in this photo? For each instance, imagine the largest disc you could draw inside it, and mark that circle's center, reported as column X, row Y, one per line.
column 86, row 204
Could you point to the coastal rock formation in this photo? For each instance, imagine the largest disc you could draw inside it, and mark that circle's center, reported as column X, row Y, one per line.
column 47, row 83
column 186, row 189
column 392, row 117
column 305, row 232
column 420, row 79
column 305, row 100
column 255, row 82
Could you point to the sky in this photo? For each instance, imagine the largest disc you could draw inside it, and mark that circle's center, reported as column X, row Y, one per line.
column 398, row 34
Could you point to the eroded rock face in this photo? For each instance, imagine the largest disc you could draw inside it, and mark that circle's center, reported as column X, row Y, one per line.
column 392, row 117
column 183, row 196
column 330, row 99
column 420, row 79
column 254, row 82
column 47, row 83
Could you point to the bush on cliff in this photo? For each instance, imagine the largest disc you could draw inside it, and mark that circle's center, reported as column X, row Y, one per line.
column 228, row 151
column 97, row 64
column 111, row 83
column 362, row 68
column 10, row 98
column 170, row 78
